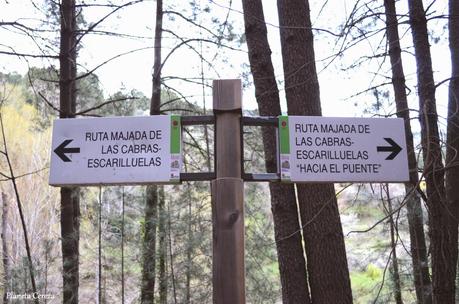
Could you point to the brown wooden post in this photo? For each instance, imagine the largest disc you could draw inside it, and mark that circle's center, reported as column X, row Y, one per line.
column 228, row 195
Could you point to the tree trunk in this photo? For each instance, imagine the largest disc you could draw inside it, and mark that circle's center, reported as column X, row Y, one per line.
column 457, row 279
column 149, row 246
column 290, row 251
column 122, row 245
column 70, row 232
column 171, row 254
column 452, row 141
column 414, row 208
column 395, row 270
column 162, row 248
column 395, row 273
column 323, row 236
column 99, row 251
column 70, row 197
column 151, row 205
column 5, row 249
column 442, row 230
column 156, row 95
column 189, row 248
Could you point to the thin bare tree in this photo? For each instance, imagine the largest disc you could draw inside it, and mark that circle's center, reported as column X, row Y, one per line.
column 12, row 178
column 327, row 266
column 151, row 206
column 418, row 247
column 452, row 140
column 290, row 252
column 5, row 249
column 442, row 220
column 70, row 197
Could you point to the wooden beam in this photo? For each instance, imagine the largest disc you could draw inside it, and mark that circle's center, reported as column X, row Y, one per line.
column 197, row 120
column 196, row 176
column 269, row 121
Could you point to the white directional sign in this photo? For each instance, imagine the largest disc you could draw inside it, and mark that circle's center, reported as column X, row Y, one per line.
column 329, row 149
column 116, row 150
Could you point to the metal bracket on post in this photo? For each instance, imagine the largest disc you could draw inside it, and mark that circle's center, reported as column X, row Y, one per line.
column 264, row 121
column 228, row 195
column 197, row 121
column 260, row 121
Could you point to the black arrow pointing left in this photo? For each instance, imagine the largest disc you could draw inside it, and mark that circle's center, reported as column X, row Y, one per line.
column 62, row 150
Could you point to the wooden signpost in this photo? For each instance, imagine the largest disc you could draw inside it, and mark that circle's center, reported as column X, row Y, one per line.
column 312, row 149
column 228, row 195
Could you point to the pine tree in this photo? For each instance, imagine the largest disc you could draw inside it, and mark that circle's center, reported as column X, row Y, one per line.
column 290, row 252
column 328, row 272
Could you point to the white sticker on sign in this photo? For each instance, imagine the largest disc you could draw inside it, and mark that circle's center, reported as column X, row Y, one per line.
column 116, row 150
column 321, row 149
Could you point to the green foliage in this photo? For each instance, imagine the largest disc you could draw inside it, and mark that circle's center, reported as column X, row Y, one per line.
column 43, row 93
column 373, row 272
column 28, row 150
column 133, row 103
column 88, row 92
column 365, row 284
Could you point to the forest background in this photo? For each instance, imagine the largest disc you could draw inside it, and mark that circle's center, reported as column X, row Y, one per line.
column 115, row 44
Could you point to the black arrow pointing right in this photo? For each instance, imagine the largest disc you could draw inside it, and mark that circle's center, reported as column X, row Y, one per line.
column 394, row 148
column 61, row 150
